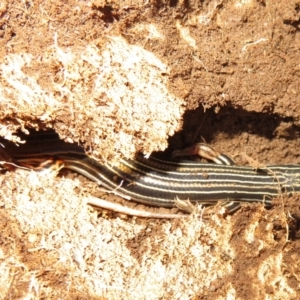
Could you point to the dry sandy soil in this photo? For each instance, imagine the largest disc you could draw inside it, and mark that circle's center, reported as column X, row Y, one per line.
column 122, row 77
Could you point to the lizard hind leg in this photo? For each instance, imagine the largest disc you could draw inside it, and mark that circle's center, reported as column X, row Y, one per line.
column 206, row 152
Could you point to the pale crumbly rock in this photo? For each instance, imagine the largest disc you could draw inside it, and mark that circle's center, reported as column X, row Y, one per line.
column 113, row 258
column 112, row 97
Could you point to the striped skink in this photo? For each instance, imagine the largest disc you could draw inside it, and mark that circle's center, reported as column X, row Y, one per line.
column 158, row 182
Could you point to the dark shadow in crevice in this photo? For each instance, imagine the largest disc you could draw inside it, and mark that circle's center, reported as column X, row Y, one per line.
column 295, row 24
column 203, row 126
column 294, row 228
column 109, row 15
column 173, row 3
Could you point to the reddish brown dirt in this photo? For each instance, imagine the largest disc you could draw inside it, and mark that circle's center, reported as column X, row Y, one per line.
column 236, row 66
